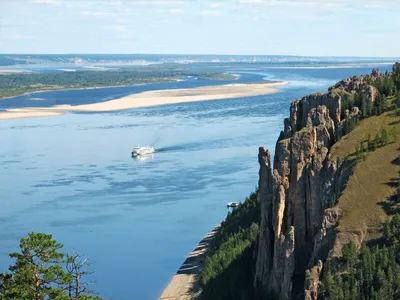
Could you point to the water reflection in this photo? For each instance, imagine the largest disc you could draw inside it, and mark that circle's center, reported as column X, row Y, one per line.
column 143, row 157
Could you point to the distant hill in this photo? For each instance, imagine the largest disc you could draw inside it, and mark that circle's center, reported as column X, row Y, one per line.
column 145, row 59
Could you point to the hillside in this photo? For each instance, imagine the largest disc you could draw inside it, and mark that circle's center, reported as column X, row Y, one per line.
column 333, row 171
column 364, row 203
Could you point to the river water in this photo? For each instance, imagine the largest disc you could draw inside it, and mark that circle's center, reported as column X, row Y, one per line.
column 73, row 176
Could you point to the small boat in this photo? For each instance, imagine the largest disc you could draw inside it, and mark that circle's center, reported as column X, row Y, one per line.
column 233, row 204
column 140, row 151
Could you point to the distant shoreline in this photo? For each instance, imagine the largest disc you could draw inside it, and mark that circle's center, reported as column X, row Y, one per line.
column 62, row 88
column 152, row 98
column 76, row 89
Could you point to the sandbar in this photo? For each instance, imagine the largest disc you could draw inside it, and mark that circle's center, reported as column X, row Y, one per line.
column 152, row 98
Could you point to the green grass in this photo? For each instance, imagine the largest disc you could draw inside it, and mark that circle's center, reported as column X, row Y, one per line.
column 368, row 188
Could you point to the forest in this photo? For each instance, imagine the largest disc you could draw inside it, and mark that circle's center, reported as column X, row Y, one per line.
column 14, row 84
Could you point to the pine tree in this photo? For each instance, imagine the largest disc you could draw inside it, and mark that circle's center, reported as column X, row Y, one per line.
column 384, row 137
column 377, row 142
column 393, row 134
column 358, row 152
column 369, row 142
column 36, row 271
column 397, row 100
column 364, row 108
column 363, row 150
column 350, row 254
column 39, row 274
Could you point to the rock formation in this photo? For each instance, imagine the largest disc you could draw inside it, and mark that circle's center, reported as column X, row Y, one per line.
column 312, row 282
column 298, row 190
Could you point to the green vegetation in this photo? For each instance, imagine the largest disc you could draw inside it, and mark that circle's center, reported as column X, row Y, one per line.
column 369, row 265
column 42, row 272
column 370, row 273
column 388, row 87
column 229, row 266
column 369, row 147
column 19, row 83
column 372, row 144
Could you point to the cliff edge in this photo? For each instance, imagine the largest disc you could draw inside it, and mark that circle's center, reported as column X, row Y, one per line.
column 298, row 192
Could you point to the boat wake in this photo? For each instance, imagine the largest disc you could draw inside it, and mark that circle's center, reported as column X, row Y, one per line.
column 180, row 147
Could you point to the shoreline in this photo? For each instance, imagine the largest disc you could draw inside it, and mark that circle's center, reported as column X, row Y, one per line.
column 152, row 98
column 185, row 281
column 101, row 87
column 77, row 89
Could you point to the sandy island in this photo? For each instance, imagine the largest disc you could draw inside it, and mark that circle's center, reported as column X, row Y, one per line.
column 151, row 98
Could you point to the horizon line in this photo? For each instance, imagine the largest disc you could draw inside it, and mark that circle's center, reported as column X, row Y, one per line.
column 198, row 54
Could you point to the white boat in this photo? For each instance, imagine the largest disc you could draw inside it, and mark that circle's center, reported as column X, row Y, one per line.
column 233, row 204
column 140, row 151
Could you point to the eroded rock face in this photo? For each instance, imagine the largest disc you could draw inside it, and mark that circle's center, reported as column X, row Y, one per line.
column 296, row 194
column 370, row 93
column 291, row 203
column 266, row 238
column 312, row 282
column 299, row 109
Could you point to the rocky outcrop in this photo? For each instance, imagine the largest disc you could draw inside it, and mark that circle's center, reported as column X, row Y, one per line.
column 312, row 282
column 292, row 201
column 296, row 193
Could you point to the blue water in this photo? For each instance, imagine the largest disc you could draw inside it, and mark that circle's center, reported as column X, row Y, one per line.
column 73, row 176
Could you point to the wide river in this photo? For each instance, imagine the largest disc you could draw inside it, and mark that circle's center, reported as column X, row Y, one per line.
column 73, row 175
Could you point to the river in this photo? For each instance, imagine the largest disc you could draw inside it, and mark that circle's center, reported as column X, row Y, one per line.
column 73, row 175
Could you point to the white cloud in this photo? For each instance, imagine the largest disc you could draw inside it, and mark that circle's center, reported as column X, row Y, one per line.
column 215, row 4
column 94, row 13
column 113, row 3
column 293, row 3
column 176, row 11
column 15, row 37
column 52, row 2
column 209, row 12
column 252, row 1
column 117, row 27
column 167, row 2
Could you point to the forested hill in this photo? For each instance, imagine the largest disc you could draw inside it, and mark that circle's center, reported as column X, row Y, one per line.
column 334, row 180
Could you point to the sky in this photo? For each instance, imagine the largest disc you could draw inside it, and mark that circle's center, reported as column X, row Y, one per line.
column 254, row 27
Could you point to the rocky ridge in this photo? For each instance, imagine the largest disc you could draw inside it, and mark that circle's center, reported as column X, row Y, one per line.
column 298, row 191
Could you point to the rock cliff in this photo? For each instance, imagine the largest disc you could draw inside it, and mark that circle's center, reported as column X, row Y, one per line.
column 296, row 193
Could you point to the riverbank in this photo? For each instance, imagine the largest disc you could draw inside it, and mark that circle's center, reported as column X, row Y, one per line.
column 152, row 98
column 185, row 281
column 33, row 92
column 16, row 84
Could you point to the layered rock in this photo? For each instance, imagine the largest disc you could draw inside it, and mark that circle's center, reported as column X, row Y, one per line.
column 304, row 182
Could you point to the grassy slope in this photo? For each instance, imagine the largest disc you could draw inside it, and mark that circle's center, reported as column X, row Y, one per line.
column 367, row 189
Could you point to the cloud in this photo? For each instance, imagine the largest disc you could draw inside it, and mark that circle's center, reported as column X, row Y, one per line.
column 15, row 37
column 117, row 27
column 113, row 3
column 166, row 2
column 294, row 3
column 209, row 13
column 252, row 1
column 176, row 11
column 52, row 2
column 215, row 4
column 94, row 13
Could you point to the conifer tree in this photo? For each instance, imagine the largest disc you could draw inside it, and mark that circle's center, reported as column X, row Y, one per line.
column 38, row 272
